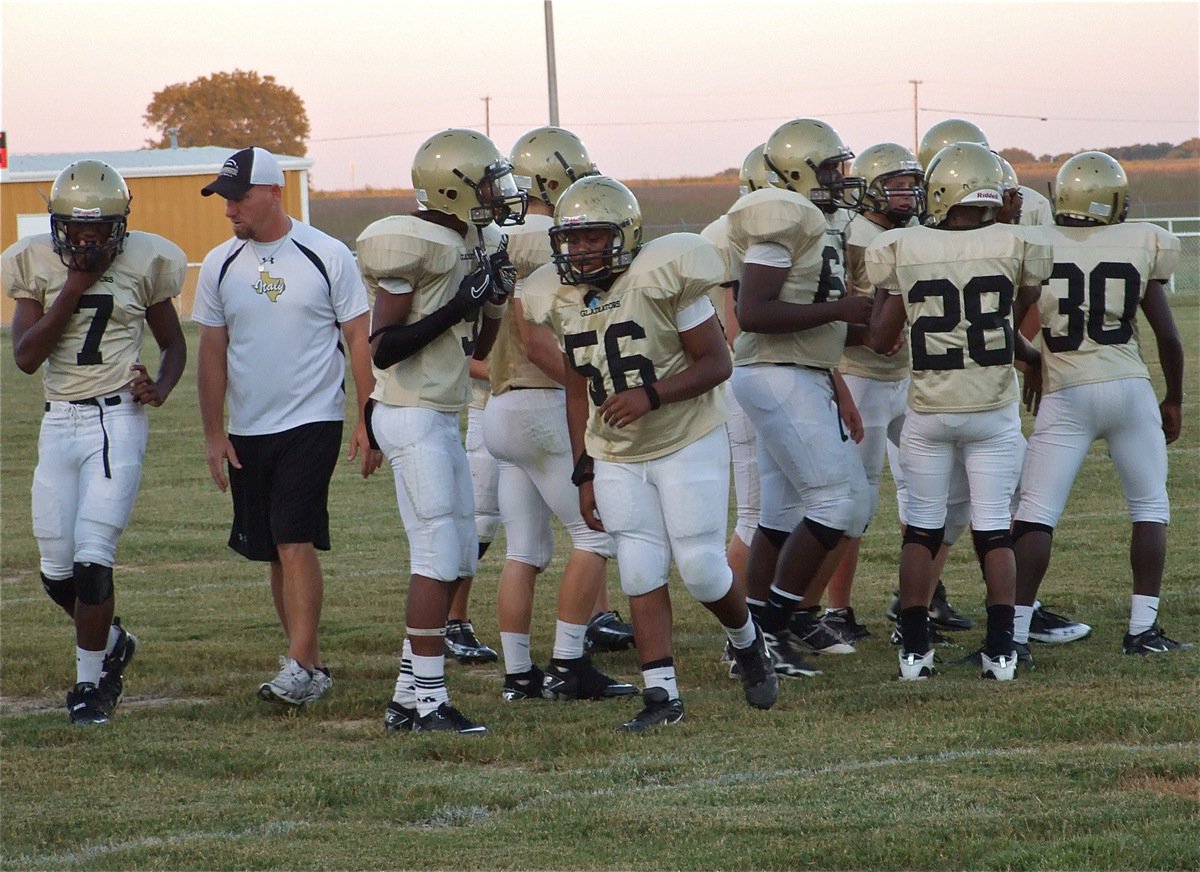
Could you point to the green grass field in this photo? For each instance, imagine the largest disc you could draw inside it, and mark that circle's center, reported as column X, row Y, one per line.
column 1090, row 761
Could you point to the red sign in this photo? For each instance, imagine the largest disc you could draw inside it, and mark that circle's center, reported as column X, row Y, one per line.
column 3, row 150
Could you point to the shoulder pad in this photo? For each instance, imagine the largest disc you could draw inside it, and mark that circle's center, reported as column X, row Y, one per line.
column 775, row 215
column 529, row 244
column 406, row 247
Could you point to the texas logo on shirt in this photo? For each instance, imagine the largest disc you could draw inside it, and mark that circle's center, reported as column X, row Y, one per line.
column 269, row 285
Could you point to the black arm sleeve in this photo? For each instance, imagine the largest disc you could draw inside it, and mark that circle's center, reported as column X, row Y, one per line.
column 400, row 342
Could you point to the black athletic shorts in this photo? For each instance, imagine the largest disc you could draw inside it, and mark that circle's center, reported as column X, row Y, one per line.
column 281, row 493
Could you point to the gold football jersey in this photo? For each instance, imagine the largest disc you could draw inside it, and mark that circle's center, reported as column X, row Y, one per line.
column 817, row 274
column 628, row 335
column 958, row 288
column 508, row 365
column 859, row 360
column 1036, row 210
column 433, row 260
column 104, row 336
column 1089, row 306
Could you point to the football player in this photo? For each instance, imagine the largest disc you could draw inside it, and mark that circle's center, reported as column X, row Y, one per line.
column 794, row 314
column 644, row 355
column 1096, row 385
column 525, row 429
column 84, row 295
column 955, row 283
column 432, row 274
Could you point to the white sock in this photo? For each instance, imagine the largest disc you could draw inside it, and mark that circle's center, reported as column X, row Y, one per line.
column 1022, row 615
column 743, row 636
column 568, row 640
column 405, row 693
column 515, row 647
column 1143, row 612
column 88, row 665
column 429, row 675
column 114, row 634
column 664, row 677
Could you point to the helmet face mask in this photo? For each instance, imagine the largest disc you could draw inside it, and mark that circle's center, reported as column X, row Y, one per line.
column 894, row 182
column 597, row 231
column 1091, row 187
column 88, row 205
column 808, row 157
column 462, row 173
column 548, row 160
column 963, row 174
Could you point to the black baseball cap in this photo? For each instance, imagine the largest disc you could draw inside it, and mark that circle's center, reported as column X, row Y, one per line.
column 245, row 169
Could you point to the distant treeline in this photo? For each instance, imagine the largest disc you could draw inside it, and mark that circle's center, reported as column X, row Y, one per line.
column 1141, row 151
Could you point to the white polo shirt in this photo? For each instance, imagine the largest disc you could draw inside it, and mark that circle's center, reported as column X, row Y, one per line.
column 282, row 303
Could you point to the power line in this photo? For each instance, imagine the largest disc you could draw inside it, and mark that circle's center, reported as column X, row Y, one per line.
column 1064, row 118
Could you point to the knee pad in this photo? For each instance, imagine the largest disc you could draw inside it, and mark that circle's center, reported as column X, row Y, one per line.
column 93, row 583
column 62, row 591
column 1020, row 528
column 989, row 540
column 931, row 539
column 827, row 536
column 775, row 537
column 707, row 582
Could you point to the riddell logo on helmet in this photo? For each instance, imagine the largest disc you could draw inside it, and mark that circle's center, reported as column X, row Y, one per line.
column 984, row 196
column 86, row 213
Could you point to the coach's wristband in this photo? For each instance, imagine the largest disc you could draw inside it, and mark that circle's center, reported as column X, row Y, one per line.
column 582, row 473
column 652, row 394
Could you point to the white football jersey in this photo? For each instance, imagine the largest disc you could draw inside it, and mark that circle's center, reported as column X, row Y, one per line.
column 860, row 360
column 509, row 365
column 104, row 336
column 629, row 335
column 1089, row 306
column 433, row 260
column 817, row 274
column 1036, row 210
column 958, row 288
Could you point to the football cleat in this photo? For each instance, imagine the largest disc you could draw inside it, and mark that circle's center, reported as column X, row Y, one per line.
column 523, row 685
column 916, row 667
column 1153, row 641
column 607, row 632
column 757, row 673
column 813, row 633
column 112, row 684
column 463, row 646
column 1000, row 668
column 784, row 657
column 1053, row 629
column 291, row 686
column 447, row 719
column 842, row 622
column 659, row 709
column 85, row 705
column 579, row 679
column 398, row 718
column 943, row 614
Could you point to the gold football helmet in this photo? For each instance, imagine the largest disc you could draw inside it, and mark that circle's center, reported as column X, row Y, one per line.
column 591, row 204
column 879, row 163
column 807, row 156
column 946, row 133
column 88, row 192
column 547, row 160
column 963, row 174
column 754, row 173
column 1010, row 175
column 1091, row 186
column 462, row 173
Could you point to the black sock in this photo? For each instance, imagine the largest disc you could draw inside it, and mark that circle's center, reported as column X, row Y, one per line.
column 914, row 630
column 777, row 612
column 999, row 640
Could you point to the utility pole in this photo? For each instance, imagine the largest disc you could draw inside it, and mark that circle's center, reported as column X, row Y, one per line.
column 916, row 83
column 551, row 72
column 487, row 115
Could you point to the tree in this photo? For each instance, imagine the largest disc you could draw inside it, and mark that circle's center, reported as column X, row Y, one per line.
column 236, row 110
column 1017, row 156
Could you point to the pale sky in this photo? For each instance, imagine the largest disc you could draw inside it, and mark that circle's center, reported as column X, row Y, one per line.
column 655, row 89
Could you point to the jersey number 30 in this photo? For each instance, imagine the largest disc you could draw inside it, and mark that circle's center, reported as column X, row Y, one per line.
column 618, row 364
